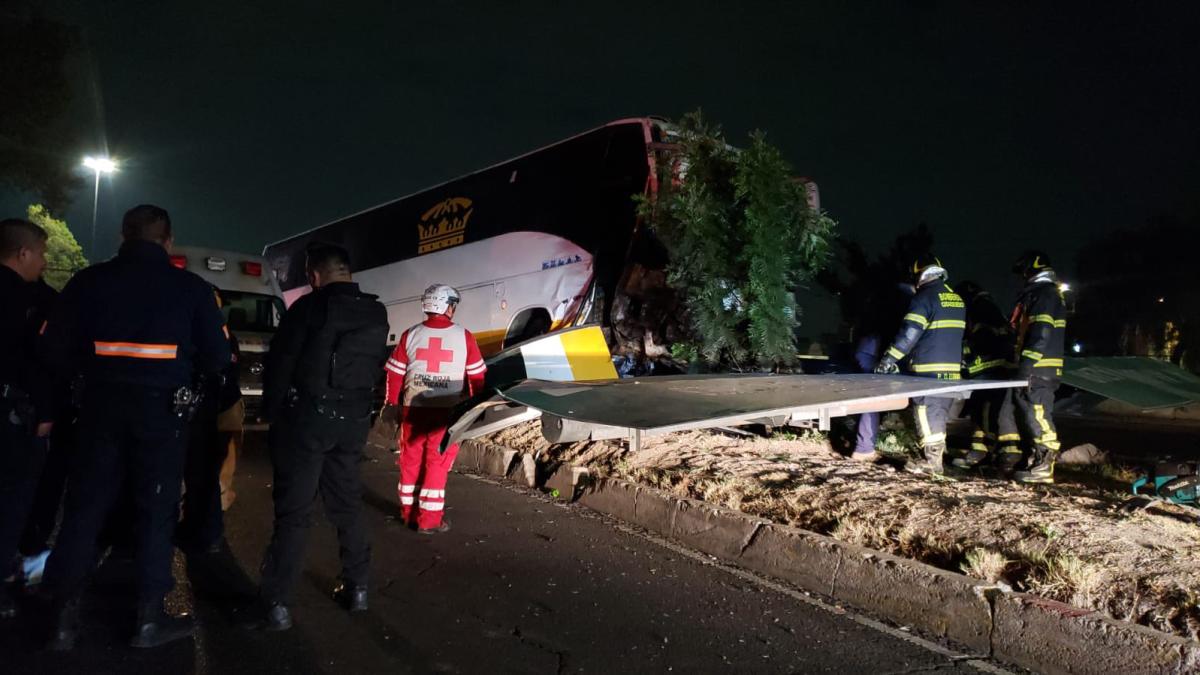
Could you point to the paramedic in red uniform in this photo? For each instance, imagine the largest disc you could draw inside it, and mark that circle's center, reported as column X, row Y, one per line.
column 435, row 365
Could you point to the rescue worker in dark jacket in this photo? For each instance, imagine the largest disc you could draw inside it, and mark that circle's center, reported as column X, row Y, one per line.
column 930, row 342
column 25, row 394
column 136, row 328
column 1040, row 322
column 322, row 368
column 987, row 347
column 879, row 322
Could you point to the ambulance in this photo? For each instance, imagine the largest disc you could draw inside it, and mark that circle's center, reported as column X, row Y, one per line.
column 251, row 302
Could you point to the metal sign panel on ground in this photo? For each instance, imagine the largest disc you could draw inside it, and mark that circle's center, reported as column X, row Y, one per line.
column 683, row 400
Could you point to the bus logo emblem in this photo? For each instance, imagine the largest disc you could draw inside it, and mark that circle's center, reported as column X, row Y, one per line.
column 444, row 225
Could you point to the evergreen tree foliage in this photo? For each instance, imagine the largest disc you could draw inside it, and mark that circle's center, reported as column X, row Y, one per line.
column 38, row 143
column 64, row 256
column 741, row 237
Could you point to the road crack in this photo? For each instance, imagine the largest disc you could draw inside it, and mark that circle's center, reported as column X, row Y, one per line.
column 837, row 570
column 538, row 644
column 758, row 527
column 922, row 669
column 431, row 565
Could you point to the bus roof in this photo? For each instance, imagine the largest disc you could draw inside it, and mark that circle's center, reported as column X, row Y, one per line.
column 645, row 122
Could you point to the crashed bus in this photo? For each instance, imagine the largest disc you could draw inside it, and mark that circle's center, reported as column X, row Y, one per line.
column 544, row 241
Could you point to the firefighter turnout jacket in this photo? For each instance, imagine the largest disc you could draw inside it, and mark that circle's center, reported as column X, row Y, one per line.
column 931, row 336
column 136, row 320
column 330, row 346
column 436, row 364
column 987, row 342
column 1040, row 322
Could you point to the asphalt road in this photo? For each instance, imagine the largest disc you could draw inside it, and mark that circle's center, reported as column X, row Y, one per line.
column 521, row 585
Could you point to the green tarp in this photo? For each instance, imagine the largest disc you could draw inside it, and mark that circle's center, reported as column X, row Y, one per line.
column 1142, row 382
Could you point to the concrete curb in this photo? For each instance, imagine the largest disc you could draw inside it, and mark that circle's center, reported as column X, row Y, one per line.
column 1032, row 632
column 1054, row 637
column 487, row 459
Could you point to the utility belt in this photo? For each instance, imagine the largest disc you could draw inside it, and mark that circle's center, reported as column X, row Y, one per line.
column 342, row 406
column 18, row 408
column 186, row 400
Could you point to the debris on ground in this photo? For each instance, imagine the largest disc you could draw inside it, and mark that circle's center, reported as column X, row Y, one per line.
column 1070, row 542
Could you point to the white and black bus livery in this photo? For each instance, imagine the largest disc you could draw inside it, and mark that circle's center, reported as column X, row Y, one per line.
column 535, row 243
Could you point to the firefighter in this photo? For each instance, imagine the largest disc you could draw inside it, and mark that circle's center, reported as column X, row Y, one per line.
column 435, row 365
column 987, row 345
column 319, row 383
column 1039, row 320
column 136, row 328
column 930, row 342
column 25, row 397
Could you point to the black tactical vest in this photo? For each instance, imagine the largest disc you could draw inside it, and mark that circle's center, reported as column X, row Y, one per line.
column 345, row 349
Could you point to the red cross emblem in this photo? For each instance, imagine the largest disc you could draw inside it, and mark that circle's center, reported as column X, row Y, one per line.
column 435, row 356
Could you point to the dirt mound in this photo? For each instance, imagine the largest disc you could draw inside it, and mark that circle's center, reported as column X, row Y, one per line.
column 1070, row 542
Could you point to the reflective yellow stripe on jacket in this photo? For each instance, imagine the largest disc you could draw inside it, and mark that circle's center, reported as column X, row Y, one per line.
column 936, row 367
column 947, row 323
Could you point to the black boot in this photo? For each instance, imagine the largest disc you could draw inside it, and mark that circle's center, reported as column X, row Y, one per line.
column 931, row 463
column 352, row 598
column 440, row 529
column 65, row 627
column 278, row 618
column 155, row 627
column 1041, row 468
column 971, row 459
column 265, row 615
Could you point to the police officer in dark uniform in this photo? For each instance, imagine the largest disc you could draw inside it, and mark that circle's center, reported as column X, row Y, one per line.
column 987, row 347
column 202, row 529
column 323, row 366
column 136, row 328
column 43, row 512
column 1040, row 322
column 931, row 340
column 25, row 394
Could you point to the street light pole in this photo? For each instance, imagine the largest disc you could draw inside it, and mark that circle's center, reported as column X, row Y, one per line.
column 100, row 165
column 95, row 208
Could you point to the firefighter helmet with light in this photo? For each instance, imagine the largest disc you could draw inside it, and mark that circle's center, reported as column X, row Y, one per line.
column 925, row 268
column 1030, row 263
column 438, row 299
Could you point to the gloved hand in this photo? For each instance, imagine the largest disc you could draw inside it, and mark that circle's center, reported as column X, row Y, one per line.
column 887, row 366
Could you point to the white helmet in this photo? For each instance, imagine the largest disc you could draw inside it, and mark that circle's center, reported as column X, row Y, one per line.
column 438, row 299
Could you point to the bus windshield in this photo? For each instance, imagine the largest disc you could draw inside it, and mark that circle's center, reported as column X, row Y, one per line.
column 251, row 311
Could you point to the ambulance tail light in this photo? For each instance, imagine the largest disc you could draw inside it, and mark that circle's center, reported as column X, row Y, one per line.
column 253, row 269
column 179, row 261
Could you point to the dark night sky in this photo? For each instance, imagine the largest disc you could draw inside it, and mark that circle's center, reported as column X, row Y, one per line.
column 1003, row 128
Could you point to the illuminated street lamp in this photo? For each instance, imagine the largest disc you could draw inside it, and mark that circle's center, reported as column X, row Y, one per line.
column 101, row 165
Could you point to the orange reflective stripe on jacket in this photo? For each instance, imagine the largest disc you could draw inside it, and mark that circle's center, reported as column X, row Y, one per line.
column 136, row 350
